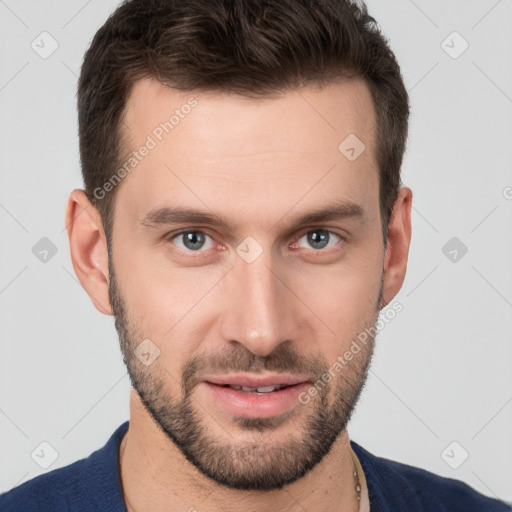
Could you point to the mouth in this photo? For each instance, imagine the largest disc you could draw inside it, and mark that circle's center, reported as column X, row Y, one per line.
column 262, row 383
column 252, row 397
column 262, row 390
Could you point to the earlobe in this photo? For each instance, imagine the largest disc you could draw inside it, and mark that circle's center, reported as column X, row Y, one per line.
column 88, row 248
column 397, row 251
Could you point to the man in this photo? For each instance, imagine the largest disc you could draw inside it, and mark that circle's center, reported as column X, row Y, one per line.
column 244, row 221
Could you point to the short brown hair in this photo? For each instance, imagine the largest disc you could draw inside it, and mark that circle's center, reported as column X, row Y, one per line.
column 248, row 47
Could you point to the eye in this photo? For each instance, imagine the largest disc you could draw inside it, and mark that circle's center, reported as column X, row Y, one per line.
column 320, row 238
column 199, row 241
column 192, row 240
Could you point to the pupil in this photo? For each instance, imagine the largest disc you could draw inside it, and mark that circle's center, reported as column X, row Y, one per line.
column 193, row 239
column 318, row 237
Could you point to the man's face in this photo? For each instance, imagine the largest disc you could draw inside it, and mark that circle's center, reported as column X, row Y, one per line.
column 261, row 296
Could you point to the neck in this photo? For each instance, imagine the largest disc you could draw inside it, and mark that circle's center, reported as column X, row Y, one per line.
column 156, row 476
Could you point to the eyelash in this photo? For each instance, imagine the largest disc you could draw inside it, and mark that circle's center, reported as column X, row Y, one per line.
column 171, row 236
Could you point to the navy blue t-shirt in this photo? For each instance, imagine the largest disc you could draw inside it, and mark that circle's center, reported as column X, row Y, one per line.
column 93, row 484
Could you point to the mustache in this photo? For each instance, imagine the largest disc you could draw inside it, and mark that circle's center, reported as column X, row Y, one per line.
column 283, row 360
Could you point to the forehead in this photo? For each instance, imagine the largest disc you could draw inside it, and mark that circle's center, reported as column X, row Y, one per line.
column 341, row 108
column 268, row 151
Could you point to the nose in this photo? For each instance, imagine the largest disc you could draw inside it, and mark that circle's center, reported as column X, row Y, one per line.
column 259, row 307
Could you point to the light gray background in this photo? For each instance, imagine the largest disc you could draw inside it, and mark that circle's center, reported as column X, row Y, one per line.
column 442, row 370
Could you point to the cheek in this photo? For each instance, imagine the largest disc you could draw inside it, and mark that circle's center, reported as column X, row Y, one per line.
column 167, row 302
column 344, row 297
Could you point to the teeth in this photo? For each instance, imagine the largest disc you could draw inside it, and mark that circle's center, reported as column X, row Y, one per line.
column 267, row 389
column 262, row 389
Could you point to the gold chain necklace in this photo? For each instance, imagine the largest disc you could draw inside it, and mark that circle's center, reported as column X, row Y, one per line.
column 357, row 482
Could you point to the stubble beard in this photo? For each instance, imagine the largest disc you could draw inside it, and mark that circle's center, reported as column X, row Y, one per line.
column 266, row 461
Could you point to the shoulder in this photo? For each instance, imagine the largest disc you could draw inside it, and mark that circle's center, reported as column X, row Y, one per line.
column 395, row 486
column 91, row 483
column 49, row 491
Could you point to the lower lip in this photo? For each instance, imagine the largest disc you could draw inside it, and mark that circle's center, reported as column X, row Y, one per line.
column 252, row 405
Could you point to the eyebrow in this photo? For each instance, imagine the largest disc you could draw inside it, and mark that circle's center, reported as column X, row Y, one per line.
column 173, row 215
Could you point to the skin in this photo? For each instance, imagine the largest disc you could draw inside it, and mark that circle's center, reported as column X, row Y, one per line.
column 259, row 163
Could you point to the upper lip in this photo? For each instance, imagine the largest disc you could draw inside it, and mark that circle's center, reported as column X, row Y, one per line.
column 255, row 381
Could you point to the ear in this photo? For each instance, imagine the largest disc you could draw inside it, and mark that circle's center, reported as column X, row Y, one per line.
column 397, row 251
column 88, row 247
